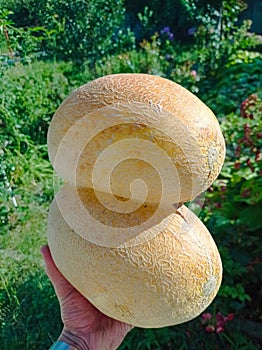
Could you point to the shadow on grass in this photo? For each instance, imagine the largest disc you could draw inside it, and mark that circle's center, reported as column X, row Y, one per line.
column 30, row 320
column 29, row 314
column 189, row 336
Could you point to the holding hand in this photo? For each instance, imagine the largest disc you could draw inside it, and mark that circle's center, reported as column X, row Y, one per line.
column 85, row 327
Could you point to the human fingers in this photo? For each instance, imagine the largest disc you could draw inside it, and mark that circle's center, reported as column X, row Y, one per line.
column 61, row 285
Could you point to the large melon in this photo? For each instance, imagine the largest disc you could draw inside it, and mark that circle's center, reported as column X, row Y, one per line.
column 168, row 277
column 132, row 148
column 123, row 127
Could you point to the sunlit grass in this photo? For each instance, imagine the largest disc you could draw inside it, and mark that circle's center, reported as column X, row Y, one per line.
column 29, row 313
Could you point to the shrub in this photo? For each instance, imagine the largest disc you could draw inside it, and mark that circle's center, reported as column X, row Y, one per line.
column 76, row 30
column 219, row 35
column 234, row 206
column 230, row 86
column 18, row 44
column 29, row 97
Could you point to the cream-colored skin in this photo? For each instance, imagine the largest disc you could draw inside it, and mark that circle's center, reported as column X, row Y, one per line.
column 169, row 279
column 124, row 127
column 133, row 145
column 85, row 327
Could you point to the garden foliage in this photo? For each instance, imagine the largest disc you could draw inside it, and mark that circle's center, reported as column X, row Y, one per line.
column 73, row 30
column 48, row 48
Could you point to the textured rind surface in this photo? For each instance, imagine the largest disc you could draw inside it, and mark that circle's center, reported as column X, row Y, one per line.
column 141, row 107
column 167, row 280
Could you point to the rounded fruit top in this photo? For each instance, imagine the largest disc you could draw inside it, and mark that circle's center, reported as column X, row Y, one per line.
column 120, row 128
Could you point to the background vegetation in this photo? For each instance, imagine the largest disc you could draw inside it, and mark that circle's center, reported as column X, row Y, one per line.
column 49, row 48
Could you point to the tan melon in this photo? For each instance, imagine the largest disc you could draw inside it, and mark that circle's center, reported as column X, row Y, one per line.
column 120, row 128
column 130, row 146
column 166, row 273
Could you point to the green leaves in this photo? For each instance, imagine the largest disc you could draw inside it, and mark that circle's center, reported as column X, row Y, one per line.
column 234, row 292
column 234, row 206
column 29, row 97
column 69, row 30
column 219, row 38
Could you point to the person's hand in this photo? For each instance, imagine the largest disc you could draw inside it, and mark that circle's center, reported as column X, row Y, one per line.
column 85, row 327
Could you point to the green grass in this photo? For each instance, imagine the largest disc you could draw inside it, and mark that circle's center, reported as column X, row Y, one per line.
column 29, row 312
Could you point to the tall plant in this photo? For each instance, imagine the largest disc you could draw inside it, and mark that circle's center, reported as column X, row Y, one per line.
column 16, row 41
column 219, row 35
column 77, row 30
